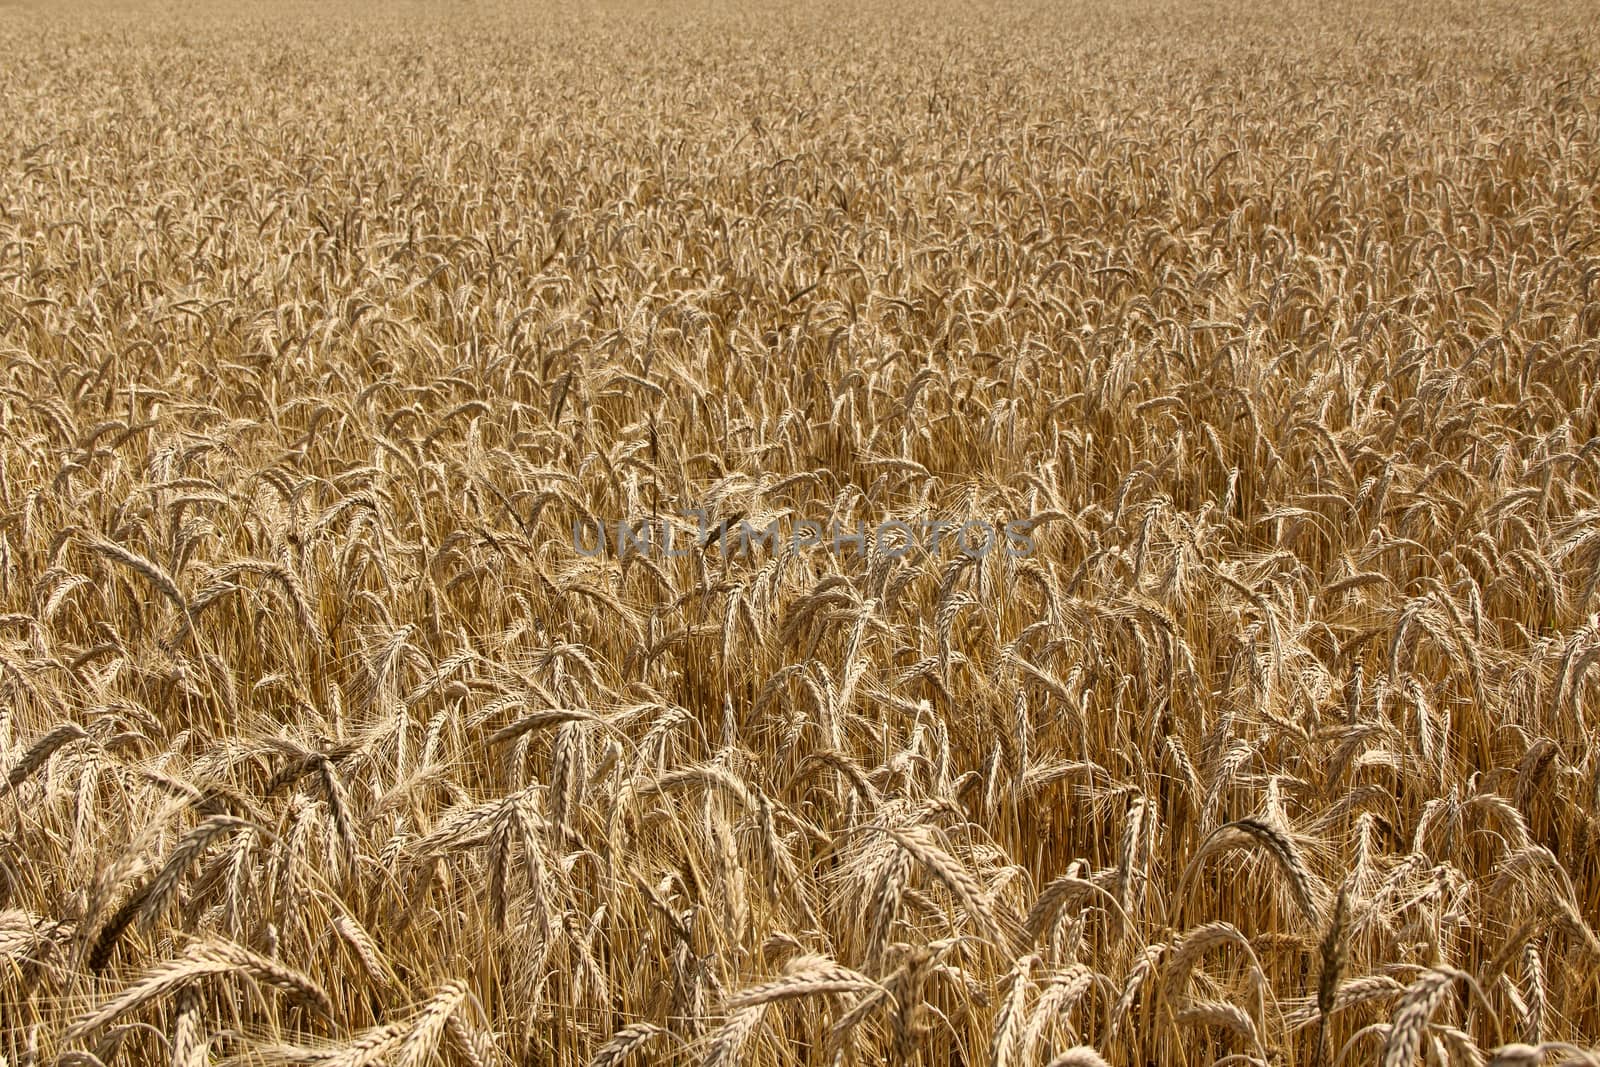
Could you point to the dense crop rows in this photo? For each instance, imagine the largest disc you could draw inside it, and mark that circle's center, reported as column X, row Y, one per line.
column 322, row 741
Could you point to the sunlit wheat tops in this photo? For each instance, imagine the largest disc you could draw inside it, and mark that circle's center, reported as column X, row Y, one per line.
column 322, row 741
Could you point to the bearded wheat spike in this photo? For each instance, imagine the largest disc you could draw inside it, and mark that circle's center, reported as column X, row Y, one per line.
column 428, row 1026
column 200, row 961
column 625, row 1042
column 39, row 753
column 369, row 1049
column 807, row 976
column 1309, row 894
column 155, row 896
column 188, row 1043
column 1218, row 1013
column 1061, row 994
column 948, row 870
column 355, row 935
column 1412, row 1016
column 144, row 568
column 1012, row 1018
column 732, row 1036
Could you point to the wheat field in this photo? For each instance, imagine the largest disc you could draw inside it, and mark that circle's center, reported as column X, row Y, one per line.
column 1268, row 336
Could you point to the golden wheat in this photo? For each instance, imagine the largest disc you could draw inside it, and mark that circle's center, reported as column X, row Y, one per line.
column 614, row 533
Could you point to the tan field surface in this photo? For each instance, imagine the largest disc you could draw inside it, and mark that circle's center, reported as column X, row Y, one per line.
column 1110, row 551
